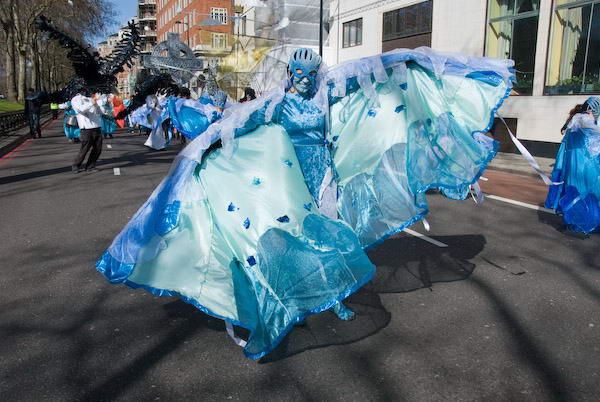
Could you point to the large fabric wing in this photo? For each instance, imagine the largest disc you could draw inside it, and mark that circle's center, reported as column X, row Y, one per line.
column 415, row 122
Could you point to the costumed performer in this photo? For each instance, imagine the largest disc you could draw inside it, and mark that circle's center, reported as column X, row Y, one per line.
column 70, row 127
column 577, row 168
column 274, row 225
column 118, row 107
column 192, row 117
column 108, row 125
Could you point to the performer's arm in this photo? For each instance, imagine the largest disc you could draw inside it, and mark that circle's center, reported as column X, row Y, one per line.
column 256, row 119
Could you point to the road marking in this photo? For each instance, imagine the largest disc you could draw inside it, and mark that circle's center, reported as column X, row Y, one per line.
column 426, row 238
column 519, row 203
column 108, row 146
column 117, row 171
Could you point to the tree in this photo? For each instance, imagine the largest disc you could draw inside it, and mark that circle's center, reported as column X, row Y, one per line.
column 83, row 19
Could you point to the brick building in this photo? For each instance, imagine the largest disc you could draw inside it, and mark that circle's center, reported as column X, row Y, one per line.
column 185, row 17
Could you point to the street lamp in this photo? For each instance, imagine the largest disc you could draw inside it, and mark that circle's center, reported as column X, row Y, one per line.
column 187, row 29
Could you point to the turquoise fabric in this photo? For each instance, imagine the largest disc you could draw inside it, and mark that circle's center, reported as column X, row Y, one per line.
column 70, row 131
column 577, row 166
column 189, row 121
column 386, row 158
column 108, row 126
column 240, row 236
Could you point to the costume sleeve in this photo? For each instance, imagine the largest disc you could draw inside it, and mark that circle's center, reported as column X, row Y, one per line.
column 84, row 106
column 256, row 118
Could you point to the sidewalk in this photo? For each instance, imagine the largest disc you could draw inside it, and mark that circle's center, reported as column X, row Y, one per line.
column 16, row 138
column 516, row 163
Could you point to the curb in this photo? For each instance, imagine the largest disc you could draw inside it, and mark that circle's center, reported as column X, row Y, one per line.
column 20, row 137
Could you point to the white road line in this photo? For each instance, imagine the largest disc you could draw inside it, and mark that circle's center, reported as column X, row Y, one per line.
column 519, row 203
column 426, row 238
column 108, row 146
column 117, row 171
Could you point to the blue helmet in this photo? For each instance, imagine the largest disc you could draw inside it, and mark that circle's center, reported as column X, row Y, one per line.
column 303, row 67
column 593, row 103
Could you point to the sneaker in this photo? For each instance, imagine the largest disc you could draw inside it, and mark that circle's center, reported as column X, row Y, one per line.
column 75, row 169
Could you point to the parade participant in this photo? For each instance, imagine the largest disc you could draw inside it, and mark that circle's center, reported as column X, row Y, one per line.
column 54, row 109
column 190, row 117
column 118, row 107
column 89, row 116
column 108, row 125
column 577, row 169
column 70, row 126
column 245, row 227
column 32, row 112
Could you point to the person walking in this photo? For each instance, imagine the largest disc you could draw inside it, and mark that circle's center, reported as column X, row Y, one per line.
column 32, row 113
column 54, row 109
column 88, row 119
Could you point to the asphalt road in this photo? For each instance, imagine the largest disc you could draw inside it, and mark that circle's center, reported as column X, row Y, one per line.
column 510, row 310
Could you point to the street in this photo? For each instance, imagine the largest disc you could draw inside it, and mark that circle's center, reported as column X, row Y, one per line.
column 504, row 306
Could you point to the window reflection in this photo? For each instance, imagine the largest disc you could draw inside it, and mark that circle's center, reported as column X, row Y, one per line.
column 574, row 63
column 512, row 34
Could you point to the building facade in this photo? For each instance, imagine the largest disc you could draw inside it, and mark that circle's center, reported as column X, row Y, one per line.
column 147, row 24
column 202, row 24
column 554, row 44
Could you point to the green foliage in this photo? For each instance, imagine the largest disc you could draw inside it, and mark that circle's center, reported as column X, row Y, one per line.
column 6, row 106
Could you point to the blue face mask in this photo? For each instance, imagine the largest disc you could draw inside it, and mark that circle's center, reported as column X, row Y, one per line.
column 303, row 68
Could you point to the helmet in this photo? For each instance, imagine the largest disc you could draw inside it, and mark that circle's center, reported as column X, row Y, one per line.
column 593, row 103
column 302, row 68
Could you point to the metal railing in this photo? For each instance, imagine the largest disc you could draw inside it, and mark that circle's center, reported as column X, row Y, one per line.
column 13, row 121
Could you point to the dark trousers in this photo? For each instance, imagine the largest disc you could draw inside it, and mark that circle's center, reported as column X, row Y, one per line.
column 34, row 125
column 90, row 139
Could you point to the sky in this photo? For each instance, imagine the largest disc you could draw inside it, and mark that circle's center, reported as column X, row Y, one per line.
column 126, row 10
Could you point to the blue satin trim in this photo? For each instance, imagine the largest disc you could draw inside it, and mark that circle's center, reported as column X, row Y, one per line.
column 115, row 271
column 169, row 219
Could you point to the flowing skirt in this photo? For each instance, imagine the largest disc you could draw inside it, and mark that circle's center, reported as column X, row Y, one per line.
column 577, row 166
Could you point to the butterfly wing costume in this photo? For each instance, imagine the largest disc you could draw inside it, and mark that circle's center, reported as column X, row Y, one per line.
column 273, row 225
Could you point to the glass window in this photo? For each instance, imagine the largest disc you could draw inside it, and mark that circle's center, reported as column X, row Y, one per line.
column 219, row 41
column 352, row 33
column 512, row 34
column 574, row 62
column 219, row 14
column 407, row 21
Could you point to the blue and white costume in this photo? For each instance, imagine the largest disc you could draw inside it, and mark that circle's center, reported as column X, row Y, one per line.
column 71, row 132
column 108, row 125
column 577, row 169
column 192, row 117
column 249, row 232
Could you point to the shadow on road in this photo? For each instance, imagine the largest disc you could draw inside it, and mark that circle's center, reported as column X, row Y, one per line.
column 403, row 264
